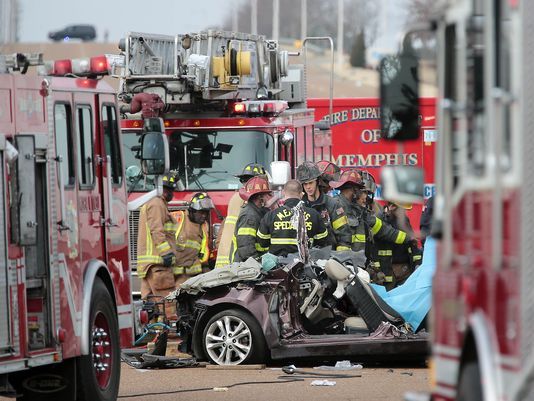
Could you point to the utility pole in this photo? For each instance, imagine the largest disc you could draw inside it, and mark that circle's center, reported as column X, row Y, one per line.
column 383, row 26
column 276, row 19
column 303, row 19
column 8, row 20
column 340, row 12
column 254, row 17
column 235, row 13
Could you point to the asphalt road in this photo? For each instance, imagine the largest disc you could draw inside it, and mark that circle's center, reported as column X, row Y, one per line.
column 269, row 384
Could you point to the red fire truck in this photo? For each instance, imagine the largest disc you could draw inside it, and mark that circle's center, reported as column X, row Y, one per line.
column 355, row 125
column 65, row 297
column 482, row 321
column 227, row 99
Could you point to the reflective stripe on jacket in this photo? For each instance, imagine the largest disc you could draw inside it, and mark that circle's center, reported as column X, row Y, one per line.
column 277, row 234
column 365, row 227
column 335, row 219
column 244, row 243
column 227, row 230
column 191, row 244
column 156, row 233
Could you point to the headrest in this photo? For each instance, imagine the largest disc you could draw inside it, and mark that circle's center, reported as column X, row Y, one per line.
column 336, row 270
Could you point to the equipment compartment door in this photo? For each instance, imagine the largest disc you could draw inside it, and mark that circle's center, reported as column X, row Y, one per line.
column 5, row 334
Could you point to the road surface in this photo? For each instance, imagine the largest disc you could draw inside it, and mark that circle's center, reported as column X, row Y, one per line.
column 201, row 384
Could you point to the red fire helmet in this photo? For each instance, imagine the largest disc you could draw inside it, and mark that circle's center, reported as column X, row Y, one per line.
column 256, row 185
column 348, row 177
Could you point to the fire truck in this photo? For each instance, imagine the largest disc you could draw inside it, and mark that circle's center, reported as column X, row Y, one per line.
column 65, row 297
column 483, row 319
column 227, row 99
column 355, row 135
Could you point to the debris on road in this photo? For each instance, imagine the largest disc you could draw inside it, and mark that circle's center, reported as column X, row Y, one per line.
column 236, row 367
column 323, row 383
column 341, row 365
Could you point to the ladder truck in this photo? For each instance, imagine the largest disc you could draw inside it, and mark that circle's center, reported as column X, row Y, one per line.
column 227, row 99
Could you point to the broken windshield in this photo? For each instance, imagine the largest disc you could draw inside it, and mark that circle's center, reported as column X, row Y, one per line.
column 203, row 159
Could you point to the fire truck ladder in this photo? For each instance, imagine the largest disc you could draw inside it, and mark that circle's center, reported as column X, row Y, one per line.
column 210, row 66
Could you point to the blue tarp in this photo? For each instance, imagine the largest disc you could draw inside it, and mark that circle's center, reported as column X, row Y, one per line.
column 412, row 300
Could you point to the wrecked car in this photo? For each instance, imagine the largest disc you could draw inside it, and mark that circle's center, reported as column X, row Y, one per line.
column 242, row 314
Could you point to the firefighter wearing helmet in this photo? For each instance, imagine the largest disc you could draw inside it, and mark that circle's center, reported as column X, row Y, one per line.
column 329, row 172
column 396, row 261
column 365, row 226
column 330, row 209
column 278, row 235
column 255, row 193
column 156, row 250
column 369, row 185
column 227, row 229
column 192, row 237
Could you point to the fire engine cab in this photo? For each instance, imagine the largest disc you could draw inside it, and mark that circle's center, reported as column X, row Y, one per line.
column 227, row 99
column 65, row 296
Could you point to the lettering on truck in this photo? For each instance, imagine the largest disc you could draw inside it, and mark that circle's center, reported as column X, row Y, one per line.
column 355, row 126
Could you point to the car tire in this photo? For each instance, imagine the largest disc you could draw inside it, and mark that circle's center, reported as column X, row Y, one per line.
column 233, row 337
column 98, row 374
column 470, row 387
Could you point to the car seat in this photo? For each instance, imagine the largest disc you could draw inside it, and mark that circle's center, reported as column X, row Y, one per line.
column 370, row 306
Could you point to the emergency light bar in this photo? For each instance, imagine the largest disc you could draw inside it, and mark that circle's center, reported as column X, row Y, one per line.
column 259, row 108
column 83, row 67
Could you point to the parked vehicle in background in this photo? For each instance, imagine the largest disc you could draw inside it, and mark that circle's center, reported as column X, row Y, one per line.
column 227, row 99
column 355, row 134
column 65, row 297
column 482, row 314
column 83, row 32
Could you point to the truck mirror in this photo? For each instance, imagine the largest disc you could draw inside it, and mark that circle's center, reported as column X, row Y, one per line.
column 280, row 172
column 154, row 153
column 322, row 125
column 287, row 137
column 399, row 97
column 402, row 184
column 153, row 124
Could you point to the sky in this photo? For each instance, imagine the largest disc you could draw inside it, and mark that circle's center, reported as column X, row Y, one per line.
column 169, row 17
column 38, row 17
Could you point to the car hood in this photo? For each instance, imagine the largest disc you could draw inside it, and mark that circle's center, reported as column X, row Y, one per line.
column 249, row 270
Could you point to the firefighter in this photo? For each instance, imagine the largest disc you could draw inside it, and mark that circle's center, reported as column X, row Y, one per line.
column 330, row 209
column 278, row 235
column 396, row 261
column 156, row 251
column 329, row 172
column 244, row 244
column 192, row 235
column 426, row 219
column 224, row 240
column 369, row 184
column 364, row 225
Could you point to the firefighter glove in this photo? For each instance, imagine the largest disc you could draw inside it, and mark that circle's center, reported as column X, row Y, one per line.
column 168, row 259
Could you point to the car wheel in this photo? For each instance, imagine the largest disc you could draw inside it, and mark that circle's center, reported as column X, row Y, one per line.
column 470, row 388
column 99, row 372
column 233, row 337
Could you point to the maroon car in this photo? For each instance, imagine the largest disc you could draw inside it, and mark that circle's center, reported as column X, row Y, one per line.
column 242, row 315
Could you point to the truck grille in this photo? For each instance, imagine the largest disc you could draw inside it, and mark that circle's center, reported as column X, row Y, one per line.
column 133, row 222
